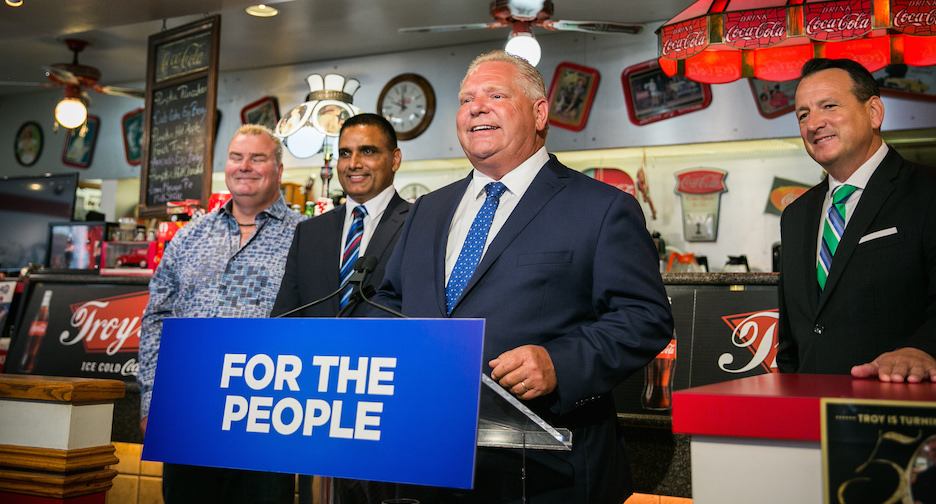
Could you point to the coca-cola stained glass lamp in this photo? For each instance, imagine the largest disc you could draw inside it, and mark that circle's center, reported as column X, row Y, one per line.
column 718, row 41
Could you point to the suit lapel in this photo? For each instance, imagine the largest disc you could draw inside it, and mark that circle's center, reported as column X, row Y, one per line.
column 544, row 186
column 390, row 222
column 879, row 188
column 810, row 241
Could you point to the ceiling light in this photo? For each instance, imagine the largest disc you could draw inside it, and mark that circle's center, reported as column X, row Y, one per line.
column 14, row 3
column 523, row 44
column 262, row 11
column 71, row 112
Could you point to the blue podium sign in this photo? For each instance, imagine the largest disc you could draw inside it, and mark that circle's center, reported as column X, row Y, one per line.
column 374, row 399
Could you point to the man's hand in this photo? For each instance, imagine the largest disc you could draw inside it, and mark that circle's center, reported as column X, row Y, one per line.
column 526, row 371
column 904, row 364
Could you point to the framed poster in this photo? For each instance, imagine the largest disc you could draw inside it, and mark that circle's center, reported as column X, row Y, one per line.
column 132, row 126
column 571, row 94
column 180, row 115
column 653, row 96
column 28, row 144
column 773, row 99
column 906, row 81
column 79, row 143
column 264, row 111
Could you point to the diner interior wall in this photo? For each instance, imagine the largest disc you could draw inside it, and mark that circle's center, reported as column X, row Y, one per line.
column 732, row 116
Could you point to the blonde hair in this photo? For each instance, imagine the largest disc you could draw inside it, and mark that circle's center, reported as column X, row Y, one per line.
column 528, row 77
column 258, row 129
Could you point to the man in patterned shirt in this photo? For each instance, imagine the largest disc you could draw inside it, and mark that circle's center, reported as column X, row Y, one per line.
column 227, row 263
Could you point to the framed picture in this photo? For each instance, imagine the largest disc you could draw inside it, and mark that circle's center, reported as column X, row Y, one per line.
column 653, row 96
column 28, row 144
column 329, row 115
column 917, row 83
column 132, row 124
column 773, row 99
column 264, row 111
column 571, row 94
column 79, row 143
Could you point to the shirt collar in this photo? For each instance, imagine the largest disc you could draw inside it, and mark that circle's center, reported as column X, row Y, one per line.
column 277, row 210
column 374, row 206
column 863, row 174
column 516, row 180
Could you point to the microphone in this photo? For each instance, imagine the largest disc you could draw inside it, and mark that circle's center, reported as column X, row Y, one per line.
column 357, row 277
column 363, row 266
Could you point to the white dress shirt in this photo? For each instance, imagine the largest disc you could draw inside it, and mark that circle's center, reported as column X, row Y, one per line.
column 375, row 209
column 517, row 181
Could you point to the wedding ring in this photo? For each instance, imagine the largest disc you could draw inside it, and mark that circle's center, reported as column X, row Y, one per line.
column 524, row 386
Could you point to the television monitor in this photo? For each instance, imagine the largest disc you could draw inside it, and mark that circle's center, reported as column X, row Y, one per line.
column 77, row 245
column 27, row 206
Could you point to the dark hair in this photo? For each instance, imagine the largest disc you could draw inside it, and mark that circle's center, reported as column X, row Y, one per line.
column 863, row 83
column 372, row 120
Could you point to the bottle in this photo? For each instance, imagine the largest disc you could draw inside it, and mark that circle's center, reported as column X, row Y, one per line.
column 310, row 208
column 37, row 331
column 658, row 379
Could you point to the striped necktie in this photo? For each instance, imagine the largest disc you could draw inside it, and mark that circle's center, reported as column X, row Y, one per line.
column 470, row 254
column 351, row 249
column 832, row 229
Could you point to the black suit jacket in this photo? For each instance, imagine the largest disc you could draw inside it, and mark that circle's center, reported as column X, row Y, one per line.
column 574, row 270
column 881, row 291
column 315, row 257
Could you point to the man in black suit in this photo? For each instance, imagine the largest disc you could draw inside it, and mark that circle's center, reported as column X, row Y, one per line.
column 867, row 232
column 368, row 158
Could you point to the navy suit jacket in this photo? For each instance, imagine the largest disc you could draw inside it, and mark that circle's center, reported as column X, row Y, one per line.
column 881, row 291
column 574, row 270
column 315, row 258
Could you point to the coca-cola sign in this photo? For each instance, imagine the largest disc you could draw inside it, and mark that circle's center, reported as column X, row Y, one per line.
column 756, row 332
column 108, row 325
column 843, row 20
column 700, row 181
column 914, row 17
column 755, row 29
column 683, row 40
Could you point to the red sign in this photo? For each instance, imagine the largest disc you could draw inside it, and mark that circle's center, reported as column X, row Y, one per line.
column 701, row 182
column 682, row 40
column 832, row 21
column 110, row 325
column 914, row 17
column 755, row 29
column 757, row 332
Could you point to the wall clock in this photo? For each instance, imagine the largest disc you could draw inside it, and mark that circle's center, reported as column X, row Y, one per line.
column 408, row 102
column 413, row 191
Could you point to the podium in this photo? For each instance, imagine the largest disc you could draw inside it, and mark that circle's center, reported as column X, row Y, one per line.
column 394, row 400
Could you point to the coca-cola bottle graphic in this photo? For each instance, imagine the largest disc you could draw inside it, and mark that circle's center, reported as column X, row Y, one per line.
column 37, row 331
column 658, row 379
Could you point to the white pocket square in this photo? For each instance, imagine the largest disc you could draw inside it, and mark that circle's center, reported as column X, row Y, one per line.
column 877, row 234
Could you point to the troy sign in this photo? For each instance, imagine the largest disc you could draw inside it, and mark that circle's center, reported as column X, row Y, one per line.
column 757, row 332
column 109, row 325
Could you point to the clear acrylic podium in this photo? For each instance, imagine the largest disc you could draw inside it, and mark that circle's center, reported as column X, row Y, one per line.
column 505, row 422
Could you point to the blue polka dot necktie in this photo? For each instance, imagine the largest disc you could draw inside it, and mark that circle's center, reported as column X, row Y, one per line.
column 351, row 249
column 832, row 229
column 470, row 254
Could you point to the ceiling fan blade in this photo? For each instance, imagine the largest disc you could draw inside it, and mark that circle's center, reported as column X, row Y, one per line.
column 120, row 91
column 592, row 26
column 61, row 76
column 29, row 84
column 445, row 28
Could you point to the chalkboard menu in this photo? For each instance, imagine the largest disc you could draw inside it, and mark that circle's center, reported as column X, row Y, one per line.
column 179, row 117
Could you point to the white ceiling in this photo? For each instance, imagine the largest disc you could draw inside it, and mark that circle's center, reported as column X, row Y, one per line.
column 31, row 36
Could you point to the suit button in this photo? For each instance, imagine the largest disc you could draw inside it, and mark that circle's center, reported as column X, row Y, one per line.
column 818, row 329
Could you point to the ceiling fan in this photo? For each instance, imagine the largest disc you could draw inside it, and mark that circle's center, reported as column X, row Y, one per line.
column 83, row 77
column 521, row 14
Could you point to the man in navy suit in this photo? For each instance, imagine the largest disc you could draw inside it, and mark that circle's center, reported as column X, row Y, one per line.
column 567, row 281
column 875, row 316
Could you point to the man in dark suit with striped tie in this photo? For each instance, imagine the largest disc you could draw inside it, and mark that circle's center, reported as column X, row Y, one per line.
column 858, row 272
column 324, row 248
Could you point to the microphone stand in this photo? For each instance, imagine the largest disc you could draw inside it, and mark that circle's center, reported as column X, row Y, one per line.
column 358, row 267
